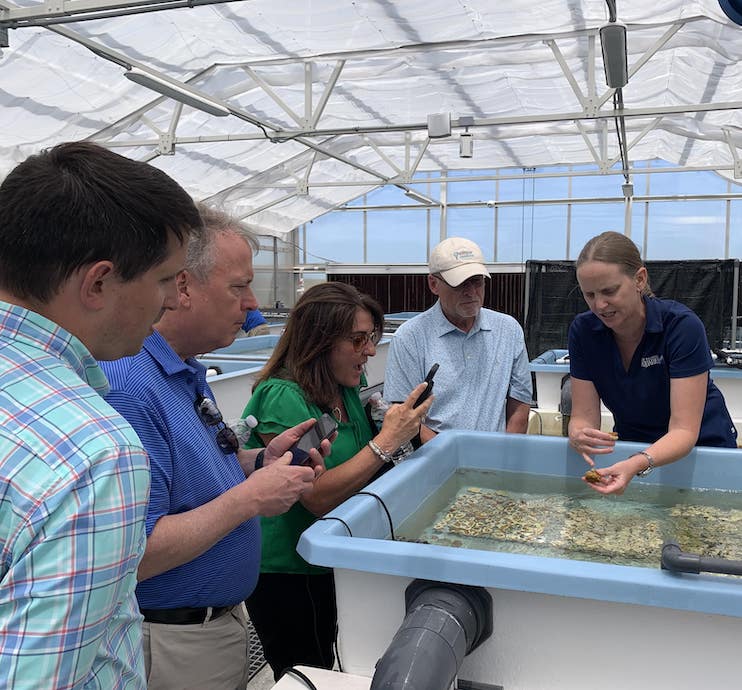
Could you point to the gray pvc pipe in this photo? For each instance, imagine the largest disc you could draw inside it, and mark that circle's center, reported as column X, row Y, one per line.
column 426, row 652
column 673, row 558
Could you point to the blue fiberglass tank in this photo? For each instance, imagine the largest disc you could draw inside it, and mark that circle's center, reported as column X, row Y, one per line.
column 557, row 622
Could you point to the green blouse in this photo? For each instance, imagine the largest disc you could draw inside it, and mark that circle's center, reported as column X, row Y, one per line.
column 279, row 404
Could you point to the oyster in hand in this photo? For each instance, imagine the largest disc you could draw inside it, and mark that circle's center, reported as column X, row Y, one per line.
column 592, row 476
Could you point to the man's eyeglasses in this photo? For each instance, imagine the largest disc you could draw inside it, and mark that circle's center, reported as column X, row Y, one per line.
column 475, row 282
column 210, row 415
column 360, row 340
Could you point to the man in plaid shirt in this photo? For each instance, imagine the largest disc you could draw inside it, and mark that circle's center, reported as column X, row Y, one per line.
column 90, row 245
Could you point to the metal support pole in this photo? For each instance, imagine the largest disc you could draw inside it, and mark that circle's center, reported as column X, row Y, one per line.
column 275, row 270
column 735, row 302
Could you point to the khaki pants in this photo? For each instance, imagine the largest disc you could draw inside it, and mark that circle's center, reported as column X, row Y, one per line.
column 207, row 656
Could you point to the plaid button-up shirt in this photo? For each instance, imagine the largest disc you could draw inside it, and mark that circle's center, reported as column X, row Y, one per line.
column 74, row 484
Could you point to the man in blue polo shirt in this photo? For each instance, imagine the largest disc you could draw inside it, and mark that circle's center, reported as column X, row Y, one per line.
column 203, row 533
column 483, row 382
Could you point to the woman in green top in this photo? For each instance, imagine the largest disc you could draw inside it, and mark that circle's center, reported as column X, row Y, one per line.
column 316, row 367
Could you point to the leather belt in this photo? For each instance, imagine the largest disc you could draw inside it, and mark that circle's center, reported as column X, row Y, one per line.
column 184, row 616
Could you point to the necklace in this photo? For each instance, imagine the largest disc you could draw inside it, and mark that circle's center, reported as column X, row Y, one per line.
column 337, row 413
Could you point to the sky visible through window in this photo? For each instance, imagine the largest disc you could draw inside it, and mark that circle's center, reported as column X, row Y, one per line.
column 537, row 217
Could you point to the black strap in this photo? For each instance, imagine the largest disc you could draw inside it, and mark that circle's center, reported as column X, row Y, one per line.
column 259, row 460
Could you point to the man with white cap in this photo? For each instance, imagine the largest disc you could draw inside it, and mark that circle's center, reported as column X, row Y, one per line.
column 483, row 382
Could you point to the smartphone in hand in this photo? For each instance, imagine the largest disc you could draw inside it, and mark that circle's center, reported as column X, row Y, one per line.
column 324, row 428
column 429, row 388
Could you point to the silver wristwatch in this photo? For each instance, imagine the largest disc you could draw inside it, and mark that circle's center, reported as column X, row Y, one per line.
column 650, row 466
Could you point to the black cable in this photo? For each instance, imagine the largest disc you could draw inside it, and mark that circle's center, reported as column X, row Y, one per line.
column 383, row 505
column 332, row 517
column 296, row 672
column 611, row 10
column 315, row 622
column 624, row 149
column 337, row 649
column 621, row 134
column 335, row 640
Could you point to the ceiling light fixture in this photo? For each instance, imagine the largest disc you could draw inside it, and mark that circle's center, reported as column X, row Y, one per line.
column 466, row 140
column 466, row 145
column 178, row 92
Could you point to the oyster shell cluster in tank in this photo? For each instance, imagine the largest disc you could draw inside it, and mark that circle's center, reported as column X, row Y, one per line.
column 581, row 528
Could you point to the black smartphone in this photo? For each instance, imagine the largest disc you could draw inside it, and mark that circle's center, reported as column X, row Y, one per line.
column 324, row 428
column 429, row 388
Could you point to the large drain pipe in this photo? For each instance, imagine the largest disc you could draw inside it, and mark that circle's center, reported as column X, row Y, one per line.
column 444, row 623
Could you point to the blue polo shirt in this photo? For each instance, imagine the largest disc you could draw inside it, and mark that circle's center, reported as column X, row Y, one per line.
column 254, row 318
column 155, row 392
column 674, row 346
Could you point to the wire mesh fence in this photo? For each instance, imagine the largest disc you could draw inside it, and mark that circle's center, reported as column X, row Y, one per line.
column 256, row 658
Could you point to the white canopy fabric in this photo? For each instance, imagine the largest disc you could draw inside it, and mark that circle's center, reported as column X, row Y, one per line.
column 327, row 99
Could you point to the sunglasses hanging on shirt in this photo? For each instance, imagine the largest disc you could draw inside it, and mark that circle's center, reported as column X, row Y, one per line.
column 210, row 415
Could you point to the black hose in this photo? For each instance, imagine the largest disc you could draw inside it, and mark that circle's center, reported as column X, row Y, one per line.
column 673, row 558
column 611, row 10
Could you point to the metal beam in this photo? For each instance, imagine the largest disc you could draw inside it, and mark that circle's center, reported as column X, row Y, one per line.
column 544, row 118
column 275, row 97
column 399, row 269
column 331, row 82
column 54, row 12
column 473, row 44
column 126, row 62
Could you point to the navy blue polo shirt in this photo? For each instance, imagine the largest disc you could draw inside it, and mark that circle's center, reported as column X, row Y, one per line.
column 155, row 392
column 674, row 346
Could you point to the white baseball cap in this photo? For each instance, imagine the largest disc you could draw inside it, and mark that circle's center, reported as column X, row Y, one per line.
column 457, row 259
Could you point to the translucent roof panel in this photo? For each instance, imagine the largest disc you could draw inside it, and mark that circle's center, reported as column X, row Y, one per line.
column 323, row 100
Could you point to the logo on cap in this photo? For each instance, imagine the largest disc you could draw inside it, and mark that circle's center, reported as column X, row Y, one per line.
column 463, row 255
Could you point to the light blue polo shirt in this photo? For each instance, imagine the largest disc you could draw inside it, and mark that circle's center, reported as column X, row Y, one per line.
column 478, row 370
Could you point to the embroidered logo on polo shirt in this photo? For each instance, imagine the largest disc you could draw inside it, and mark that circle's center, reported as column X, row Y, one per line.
column 652, row 361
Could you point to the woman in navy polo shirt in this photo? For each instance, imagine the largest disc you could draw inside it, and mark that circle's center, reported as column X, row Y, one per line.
column 647, row 359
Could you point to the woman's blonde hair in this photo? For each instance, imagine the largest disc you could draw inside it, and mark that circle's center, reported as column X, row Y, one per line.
column 614, row 248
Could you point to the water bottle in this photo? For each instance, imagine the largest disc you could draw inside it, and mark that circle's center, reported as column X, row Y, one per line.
column 379, row 408
column 243, row 428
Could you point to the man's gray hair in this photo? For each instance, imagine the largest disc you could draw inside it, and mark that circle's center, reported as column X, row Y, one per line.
column 201, row 249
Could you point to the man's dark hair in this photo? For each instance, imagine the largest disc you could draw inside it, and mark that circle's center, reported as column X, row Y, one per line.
column 78, row 203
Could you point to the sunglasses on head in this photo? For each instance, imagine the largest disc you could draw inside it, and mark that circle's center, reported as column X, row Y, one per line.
column 210, row 415
column 360, row 340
